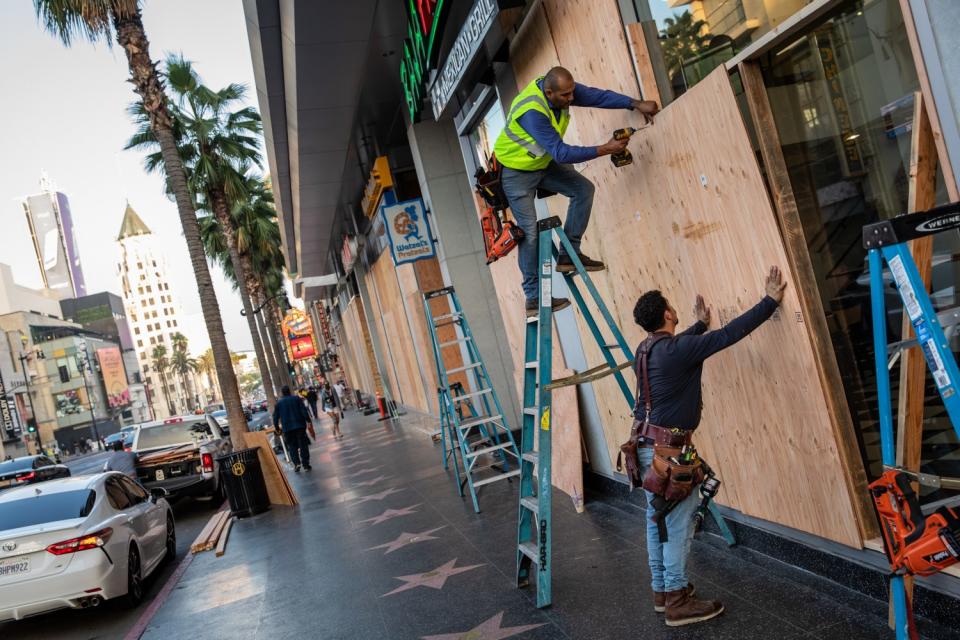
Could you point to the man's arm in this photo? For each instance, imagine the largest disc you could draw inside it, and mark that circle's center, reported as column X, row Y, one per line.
column 696, row 329
column 540, row 129
column 584, row 96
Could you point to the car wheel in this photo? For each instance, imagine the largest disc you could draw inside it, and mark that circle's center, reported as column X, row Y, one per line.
column 134, row 578
column 171, row 540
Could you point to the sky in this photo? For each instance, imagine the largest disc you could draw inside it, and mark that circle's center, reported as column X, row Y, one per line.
column 63, row 112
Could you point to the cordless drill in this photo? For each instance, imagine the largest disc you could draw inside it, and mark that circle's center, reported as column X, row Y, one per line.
column 623, row 158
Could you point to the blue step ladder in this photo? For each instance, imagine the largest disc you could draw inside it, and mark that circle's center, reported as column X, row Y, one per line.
column 534, row 526
column 886, row 244
column 474, row 431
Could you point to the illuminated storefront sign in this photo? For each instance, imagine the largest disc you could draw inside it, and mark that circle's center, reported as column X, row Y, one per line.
column 298, row 332
column 471, row 36
column 380, row 179
column 425, row 23
column 408, row 231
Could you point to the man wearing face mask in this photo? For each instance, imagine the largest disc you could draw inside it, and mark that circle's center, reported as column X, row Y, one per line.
column 669, row 405
column 534, row 155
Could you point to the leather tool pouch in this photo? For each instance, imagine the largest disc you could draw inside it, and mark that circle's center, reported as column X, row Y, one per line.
column 628, row 450
column 488, row 184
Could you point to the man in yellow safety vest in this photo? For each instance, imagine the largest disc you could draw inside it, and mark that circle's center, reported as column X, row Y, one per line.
column 533, row 155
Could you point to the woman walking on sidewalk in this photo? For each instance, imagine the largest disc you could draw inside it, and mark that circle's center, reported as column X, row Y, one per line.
column 331, row 404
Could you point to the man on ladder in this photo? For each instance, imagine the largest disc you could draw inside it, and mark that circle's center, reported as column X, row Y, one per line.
column 534, row 156
column 667, row 412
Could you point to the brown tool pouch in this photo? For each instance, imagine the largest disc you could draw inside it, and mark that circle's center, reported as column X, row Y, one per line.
column 489, row 187
column 675, row 482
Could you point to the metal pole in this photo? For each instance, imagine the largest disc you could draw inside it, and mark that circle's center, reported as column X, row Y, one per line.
column 33, row 412
column 86, row 384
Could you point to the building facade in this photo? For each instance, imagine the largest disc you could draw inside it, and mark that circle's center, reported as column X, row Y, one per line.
column 152, row 314
column 54, row 241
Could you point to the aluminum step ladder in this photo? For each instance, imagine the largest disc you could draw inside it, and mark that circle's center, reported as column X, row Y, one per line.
column 474, row 431
column 534, row 535
column 886, row 243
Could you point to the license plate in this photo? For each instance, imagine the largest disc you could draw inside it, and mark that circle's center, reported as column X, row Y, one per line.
column 14, row 567
column 160, row 475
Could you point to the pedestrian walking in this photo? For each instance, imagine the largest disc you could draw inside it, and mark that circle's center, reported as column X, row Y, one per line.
column 331, row 405
column 291, row 416
column 312, row 401
column 122, row 461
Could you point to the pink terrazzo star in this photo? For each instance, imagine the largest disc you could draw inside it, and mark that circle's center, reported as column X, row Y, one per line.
column 405, row 539
column 390, row 514
column 434, row 579
column 488, row 630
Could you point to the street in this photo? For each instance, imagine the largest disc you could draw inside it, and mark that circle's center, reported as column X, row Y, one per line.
column 112, row 619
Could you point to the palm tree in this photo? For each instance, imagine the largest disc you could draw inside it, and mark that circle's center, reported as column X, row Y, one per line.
column 206, row 366
column 182, row 364
column 97, row 20
column 218, row 145
column 682, row 39
column 161, row 365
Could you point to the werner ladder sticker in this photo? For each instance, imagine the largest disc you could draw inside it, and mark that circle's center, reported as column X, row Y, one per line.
column 906, row 289
column 546, row 286
column 937, row 369
column 545, row 420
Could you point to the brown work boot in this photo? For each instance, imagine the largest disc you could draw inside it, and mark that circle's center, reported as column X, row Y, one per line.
column 565, row 263
column 682, row 608
column 660, row 598
column 533, row 306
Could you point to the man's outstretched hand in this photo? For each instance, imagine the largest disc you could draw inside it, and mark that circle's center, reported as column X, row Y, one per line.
column 612, row 146
column 775, row 284
column 648, row 108
column 701, row 311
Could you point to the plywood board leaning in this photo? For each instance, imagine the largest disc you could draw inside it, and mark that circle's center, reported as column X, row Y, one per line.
column 692, row 218
column 278, row 488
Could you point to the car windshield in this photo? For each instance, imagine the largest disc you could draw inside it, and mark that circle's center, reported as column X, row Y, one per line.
column 46, row 507
column 221, row 413
column 168, row 435
column 17, row 464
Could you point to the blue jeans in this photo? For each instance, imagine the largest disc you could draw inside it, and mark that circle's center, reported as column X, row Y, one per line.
column 298, row 446
column 520, row 187
column 668, row 561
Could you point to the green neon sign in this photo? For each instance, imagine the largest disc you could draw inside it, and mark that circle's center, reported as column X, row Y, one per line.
column 420, row 50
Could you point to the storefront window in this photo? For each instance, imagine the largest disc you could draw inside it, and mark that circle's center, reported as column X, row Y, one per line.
column 696, row 36
column 485, row 134
column 842, row 96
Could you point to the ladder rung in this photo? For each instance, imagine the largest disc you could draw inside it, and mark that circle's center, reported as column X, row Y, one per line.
column 469, row 366
column 531, row 365
column 496, row 447
column 446, row 316
column 480, row 420
column 502, row 476
column 530, row 550
column 530, row 411
column 531, row 456
column 533, row 319
column 453, row 342
column 467, row 396
column 531, row 504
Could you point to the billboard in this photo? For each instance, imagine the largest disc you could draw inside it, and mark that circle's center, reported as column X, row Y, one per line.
column 114, row 377
column 408, row 231
column 298, row 333
column 48, row 215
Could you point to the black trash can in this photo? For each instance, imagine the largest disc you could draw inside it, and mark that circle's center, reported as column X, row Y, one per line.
column 242, row 479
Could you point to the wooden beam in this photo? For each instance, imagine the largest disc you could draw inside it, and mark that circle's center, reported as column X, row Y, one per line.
column 804, row 280
column 949, row 177
column 913, row 368
column 642, row 62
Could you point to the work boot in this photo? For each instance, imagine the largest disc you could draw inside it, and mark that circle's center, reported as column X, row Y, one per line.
column 660, row 598
column 533, row 306
column 565, row 263
column 683, row 608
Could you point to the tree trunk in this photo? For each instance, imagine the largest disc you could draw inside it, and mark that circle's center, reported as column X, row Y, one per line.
column 241, row 269
column 146, row 82
column 274, row 365
column 273, row 321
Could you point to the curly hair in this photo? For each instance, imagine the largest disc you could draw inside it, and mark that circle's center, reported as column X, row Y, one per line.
column 649, row 310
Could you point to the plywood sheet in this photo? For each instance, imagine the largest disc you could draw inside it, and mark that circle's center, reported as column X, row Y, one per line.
column 688, row 218
column 361, row 364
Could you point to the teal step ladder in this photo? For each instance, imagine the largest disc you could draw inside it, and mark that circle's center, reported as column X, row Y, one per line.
column 534, row 534
column 474, row 431
column 886, row 243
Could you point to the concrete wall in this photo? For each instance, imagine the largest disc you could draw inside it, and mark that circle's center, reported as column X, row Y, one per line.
column 14, row 297
column 447, row 193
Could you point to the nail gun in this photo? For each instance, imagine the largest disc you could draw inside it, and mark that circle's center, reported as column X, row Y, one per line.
column 500, row 234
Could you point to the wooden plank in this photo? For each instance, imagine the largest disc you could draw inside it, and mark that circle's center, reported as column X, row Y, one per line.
column 808, row 294
column 688, row 218
column 214, row 538
column 224, row 535
column 921, row 195
column 278, row 488
column 646, row 76
column 359, row 345
column 946, row 168
column 204, row 535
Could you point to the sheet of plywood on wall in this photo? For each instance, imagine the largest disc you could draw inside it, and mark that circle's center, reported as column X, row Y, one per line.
column 396, row 334
column 430, row 278
column 423, row 348
column 357, row 344
column 689, row 217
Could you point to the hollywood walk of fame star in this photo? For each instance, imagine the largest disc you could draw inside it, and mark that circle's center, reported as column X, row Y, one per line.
column 377, row 496
column 434, row 579
column 390, row 514
column 370, row 483
column 405, row 539
column 487, row 630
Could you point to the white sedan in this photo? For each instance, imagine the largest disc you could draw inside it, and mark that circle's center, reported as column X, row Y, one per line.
column 78, row 541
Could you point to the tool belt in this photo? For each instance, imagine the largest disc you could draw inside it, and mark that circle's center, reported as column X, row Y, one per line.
column 489, row 186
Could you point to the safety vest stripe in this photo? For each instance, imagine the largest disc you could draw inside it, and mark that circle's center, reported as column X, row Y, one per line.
column 528, row 99
column 534, row 149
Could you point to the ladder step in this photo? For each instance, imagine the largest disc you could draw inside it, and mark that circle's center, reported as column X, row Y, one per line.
column 453, row 342
column 496, row 447
column 502, row 476
column 446, row 316
column 531, row 365
column 531, row 504
column 469, row 366
column 530, row 550
column 481, row 420
column 530, row 411
column 467, row 396
column 531, row 456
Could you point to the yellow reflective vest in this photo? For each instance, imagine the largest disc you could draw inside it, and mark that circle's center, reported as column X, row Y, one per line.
column 515, row 148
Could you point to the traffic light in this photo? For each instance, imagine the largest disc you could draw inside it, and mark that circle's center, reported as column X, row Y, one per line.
column 31, row 428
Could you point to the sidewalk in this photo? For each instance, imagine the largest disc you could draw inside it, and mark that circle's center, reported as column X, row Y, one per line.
column 381, row 546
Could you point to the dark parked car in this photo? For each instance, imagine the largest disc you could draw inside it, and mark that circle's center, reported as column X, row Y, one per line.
column 30, row 469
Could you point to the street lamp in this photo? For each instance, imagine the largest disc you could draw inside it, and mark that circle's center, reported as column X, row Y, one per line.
column 24, row 357
column 84, row 366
